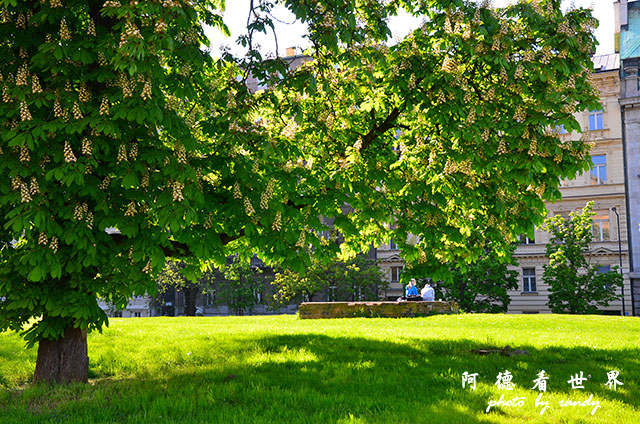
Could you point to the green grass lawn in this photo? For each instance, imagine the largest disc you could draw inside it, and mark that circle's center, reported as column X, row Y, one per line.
column 280, row 369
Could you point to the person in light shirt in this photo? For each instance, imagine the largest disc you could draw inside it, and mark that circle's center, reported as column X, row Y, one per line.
column 428, row 295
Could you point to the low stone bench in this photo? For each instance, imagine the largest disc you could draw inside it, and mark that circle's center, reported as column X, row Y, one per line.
column 314, row 310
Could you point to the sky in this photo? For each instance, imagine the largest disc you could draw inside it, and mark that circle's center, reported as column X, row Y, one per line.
column 291, row 35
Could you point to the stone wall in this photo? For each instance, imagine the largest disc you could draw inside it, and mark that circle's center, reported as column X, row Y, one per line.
column 314, row 310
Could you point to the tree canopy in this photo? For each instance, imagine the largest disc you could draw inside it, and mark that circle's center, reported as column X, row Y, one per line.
column 115, row 115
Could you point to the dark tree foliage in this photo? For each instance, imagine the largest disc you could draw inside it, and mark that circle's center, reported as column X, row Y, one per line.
column 240, row 285
column 481, row 286
column 171, row 278
column 356, row 279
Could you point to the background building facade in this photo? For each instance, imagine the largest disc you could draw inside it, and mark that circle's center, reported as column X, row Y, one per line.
column 604, row 185
column 628, row 42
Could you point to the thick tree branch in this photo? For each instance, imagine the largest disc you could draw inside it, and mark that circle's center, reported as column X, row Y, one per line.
column 385, row 126
column 176, row 248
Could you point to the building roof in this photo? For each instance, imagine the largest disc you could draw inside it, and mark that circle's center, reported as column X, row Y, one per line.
column 606, row 62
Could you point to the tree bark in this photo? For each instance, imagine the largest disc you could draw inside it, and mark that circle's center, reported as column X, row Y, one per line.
column 64, row 360
column 463, row 288
column 190, row 295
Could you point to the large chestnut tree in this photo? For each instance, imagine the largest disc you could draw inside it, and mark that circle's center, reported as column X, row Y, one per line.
column 115, row 116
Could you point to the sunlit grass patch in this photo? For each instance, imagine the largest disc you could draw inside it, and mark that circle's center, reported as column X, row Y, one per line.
column 280, row 369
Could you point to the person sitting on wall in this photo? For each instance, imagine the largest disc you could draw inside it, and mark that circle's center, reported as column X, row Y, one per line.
column 412, row 291
column 428, row 294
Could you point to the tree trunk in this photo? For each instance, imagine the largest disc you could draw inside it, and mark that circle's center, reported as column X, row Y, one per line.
column 463, row 288
column 190, row 295
column 64, row 360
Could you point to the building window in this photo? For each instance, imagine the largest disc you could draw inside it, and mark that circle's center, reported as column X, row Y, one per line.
column 528, row 280
column 117, row 314
column 136, row 314
column 210, row 298
column 603, row 269
column 601, row 226
column 395, row 273
column 595, row 120
column 357, row 293
column 524, row 239
column 598, row 174
column 564, row 182
column 392, row 245
column 331, row 293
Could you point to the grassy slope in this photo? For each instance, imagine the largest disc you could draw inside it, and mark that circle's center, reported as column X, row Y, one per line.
column 285, row 370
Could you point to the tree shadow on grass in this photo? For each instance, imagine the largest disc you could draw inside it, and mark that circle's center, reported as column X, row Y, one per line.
column 423, row 372
column 320, row 379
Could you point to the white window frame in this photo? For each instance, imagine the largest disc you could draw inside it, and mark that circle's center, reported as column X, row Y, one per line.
column 603, row 269
column 524, row 239
column 597, row 170
column 332, row 293
column 398, row 271
column 258, row 296
column 357, row 293
column 210, row 298
column 528, row 279
column 598, row 226
column 598, row 120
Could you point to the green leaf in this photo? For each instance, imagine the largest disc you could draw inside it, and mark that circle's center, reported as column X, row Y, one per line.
column 55, row 270
column 35, row 274
column 57, row 53
column 174, row 225
column 130, row 180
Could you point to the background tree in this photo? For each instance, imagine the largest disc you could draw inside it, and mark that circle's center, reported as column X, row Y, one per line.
column 171, row 278
column 114, row 115
column 356, row 279
column 240, row 285
column 480, row 286
column 575, row 285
